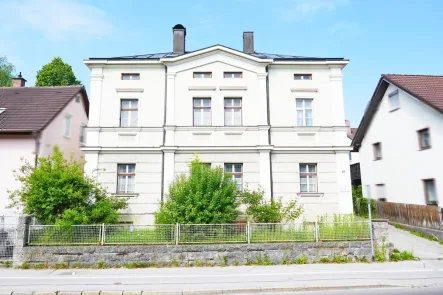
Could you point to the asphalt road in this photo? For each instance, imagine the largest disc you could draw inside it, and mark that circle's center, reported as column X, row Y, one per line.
column 263, row 278
column 380, row 291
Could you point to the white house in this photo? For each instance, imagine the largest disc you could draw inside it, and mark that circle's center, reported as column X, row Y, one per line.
column 400, row 140
column 271, row 120
column 32, row 121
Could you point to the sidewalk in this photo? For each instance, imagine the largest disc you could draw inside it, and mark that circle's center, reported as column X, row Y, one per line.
column 255, row 278
column 420, row 247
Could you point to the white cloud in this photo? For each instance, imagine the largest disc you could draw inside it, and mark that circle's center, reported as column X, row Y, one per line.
column 57, row 20
column 302, row 10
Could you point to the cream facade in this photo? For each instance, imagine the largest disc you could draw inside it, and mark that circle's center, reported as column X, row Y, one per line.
column 268, row 143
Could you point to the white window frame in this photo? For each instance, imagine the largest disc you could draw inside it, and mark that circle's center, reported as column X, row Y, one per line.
column 201, row 108
column 303, row 76
column 426, row 189
column 132, row 76
column 231, row 108
column 303, row 109
column 421, row 141
column 82, row 137
column 202, row 75
column 311, row 177
column 233, row 173
column 130, row 111
column 394, row 100
column 126, row 175
column 67, row 126
column 233, row 75
column 377, row 150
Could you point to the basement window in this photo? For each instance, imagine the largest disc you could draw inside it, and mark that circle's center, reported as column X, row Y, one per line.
column 302, row 76
column 133, row 76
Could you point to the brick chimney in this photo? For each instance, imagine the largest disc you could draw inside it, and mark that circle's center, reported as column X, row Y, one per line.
column 179, row 39
column 248, row 42
column 19, row 81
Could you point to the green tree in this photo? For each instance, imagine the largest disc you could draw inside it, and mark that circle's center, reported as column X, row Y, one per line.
column 57, row 191
column 56, row 73
column 269, row 211
column 6, row 72
column 206, row 196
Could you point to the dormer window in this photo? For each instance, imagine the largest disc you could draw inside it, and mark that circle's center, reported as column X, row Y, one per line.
column 202, row 75
column 302, row 76
column 233, row 75
column 133, row 76
column 2, row 110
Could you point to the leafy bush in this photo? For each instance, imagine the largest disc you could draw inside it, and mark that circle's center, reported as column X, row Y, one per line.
column 361, row 204
column 269, row 211
column 57, row 191
column 206, row 196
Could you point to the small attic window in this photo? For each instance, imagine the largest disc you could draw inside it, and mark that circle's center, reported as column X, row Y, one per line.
column 77, row 98
column 2, row 110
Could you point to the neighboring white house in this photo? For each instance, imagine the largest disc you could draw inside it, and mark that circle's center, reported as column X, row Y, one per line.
column 400, row 140
column 275, row 121
column 32, row 121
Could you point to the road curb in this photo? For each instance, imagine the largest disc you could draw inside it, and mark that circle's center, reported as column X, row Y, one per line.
column 213, row 292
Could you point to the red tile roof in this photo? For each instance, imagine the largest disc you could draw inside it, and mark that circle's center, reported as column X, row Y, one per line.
column 31, row 109
column 429, row 89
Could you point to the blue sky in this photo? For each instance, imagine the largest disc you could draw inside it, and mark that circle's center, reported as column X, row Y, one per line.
column 378, row 36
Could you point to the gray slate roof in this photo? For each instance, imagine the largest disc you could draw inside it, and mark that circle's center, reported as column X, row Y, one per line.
column 30, row 109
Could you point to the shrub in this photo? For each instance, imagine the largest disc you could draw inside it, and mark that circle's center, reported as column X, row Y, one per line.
column 301, row 260
column 360, row 205
column 269, row 211
column 396, row 255
column 206, row 196
column 57, row 191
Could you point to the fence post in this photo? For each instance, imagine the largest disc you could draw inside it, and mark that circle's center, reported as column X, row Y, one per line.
column 248, row 231
column 316, row 232
column 370, row 230
column 177, row 233
column 103, row 235
column 29, row 234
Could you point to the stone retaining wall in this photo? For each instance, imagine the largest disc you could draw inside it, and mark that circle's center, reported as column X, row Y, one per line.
column 194, row 254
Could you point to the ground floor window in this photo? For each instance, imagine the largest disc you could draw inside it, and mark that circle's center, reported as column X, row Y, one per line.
column 430, row 192
column 236, row 170
column 125, row 178
column 308, row 178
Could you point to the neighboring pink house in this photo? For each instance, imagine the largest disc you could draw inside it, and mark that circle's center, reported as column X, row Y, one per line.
column 32, row 121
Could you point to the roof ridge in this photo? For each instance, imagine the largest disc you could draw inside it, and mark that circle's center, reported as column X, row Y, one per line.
column 413, row 75
column 40, row 87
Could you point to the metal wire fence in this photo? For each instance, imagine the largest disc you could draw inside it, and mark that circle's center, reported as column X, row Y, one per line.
column 169, row 234
column 8, row 235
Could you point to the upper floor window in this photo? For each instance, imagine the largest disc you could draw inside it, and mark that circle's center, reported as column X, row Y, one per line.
column 233, row 113
column 233, row 75
column 304, row 112
column 133, row 76
column 202, row 74
column 302, row 76
column 308, row 178
column 125, row 178
column 67, row 126
column 202, row 112
column 236, row 170
column 430, row 192
column 394, row 100
column 129, row 113
column 424, row 139
column 377, row 151
column 82, row 138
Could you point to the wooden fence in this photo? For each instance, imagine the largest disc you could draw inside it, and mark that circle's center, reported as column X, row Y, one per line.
column 417, row 215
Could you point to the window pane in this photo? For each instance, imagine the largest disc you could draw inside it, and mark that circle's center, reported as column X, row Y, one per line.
column 228, row 102
column 206, row 117
column 308, row 122
column 134, row 118
column 303, row 168
column 237, row 102
column 131, row 168
column 311, row 168
column 308, row 114
column 297, row 77
column 228, row 117
column 237, row 168
column 125, row 104
column 228, row 168
column 239, row 181
column 134, row 104
column 303, row 179
column 237, row 117
column 122, row 168
column 308, row 103
column 430, row 187
column 130, row 184
column 206, row 102
column 197, row 117
column 299, row 103
column 121, row 186
column 197, row 102
column 312, row 188
column 304, row 188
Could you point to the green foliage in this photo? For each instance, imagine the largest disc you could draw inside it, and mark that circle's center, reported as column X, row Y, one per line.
column 396, row 255
column 269, row 211
column 417, row 233
column 6, row 72
column 361, row 204
column 206, row 196
column 301, row 260
column 340, row 259
column 380, row 253
column 58, row 192
column 236, row 262
column 56, row 73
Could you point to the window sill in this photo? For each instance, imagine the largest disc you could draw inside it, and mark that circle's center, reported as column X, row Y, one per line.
column 67, row 137
column 308, row 195
column 393, row 110
column 424, row 148
column 126, row 195
column 378, row 159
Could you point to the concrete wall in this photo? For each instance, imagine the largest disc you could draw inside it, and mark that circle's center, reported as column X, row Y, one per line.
column 397, row 132
column 53, row 133
column 13, row 148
